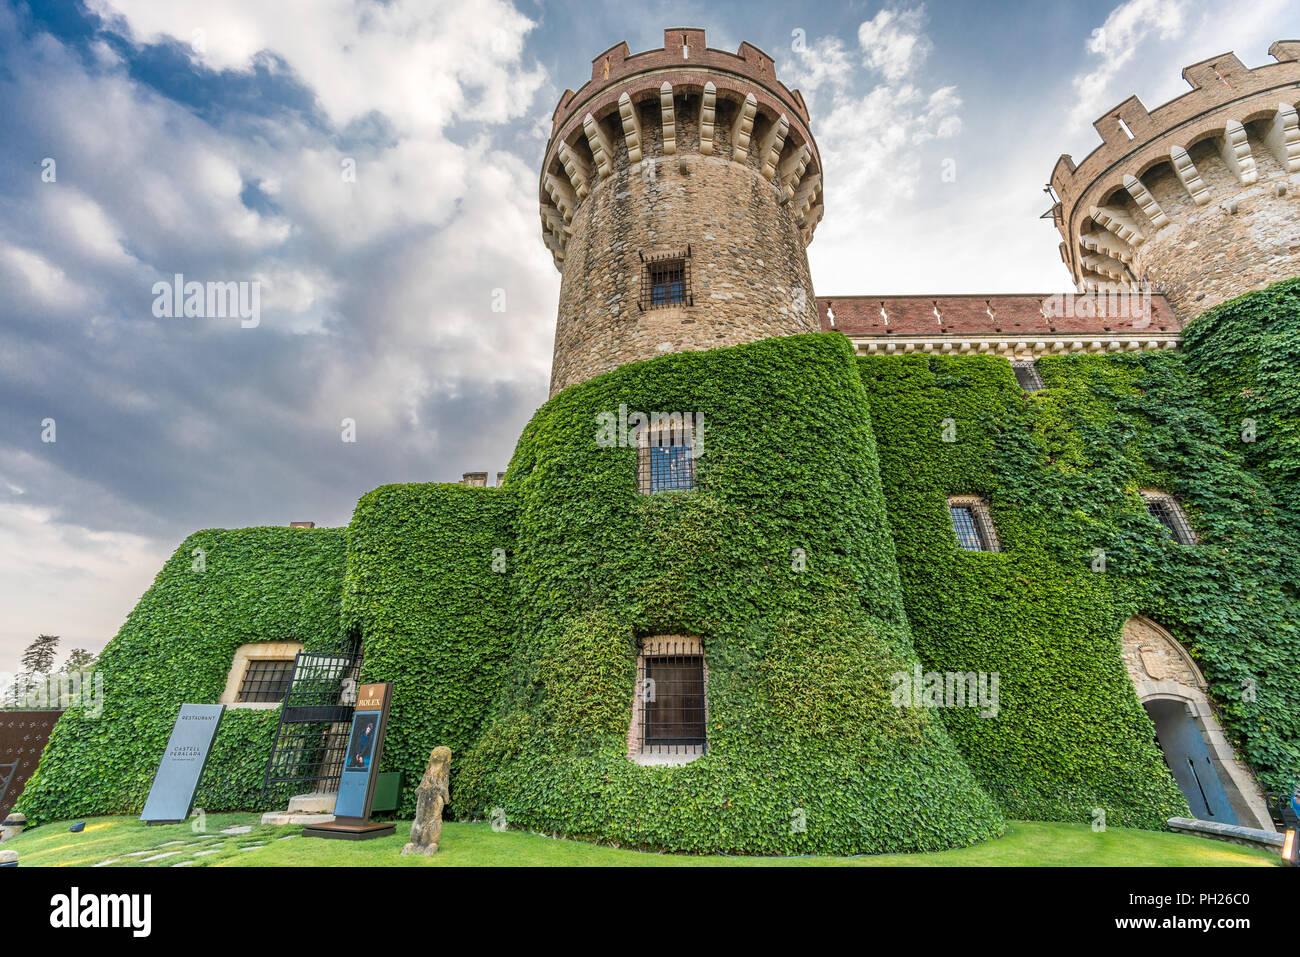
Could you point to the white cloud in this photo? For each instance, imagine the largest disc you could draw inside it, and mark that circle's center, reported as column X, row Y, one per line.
column 46, row 284
column 421, row 64
column 893, row 42
column 876, row 129
column 1142, row 46
column 1115, row 44
column 376, row 294
column 67, row 579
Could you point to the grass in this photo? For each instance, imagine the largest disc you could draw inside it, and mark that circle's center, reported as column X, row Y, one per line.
column 124, row 841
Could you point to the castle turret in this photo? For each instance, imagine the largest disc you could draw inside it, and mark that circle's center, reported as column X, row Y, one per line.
column 1200, row 198
column 679, row 190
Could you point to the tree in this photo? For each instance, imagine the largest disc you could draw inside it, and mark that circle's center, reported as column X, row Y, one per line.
column 38, row 657
column 79, row 659
column 37, row 662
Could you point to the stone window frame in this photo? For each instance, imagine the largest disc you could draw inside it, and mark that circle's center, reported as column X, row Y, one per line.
column 982, row 518
column 255, row 651
column 1180, row 529
column 658, row 755
column 654, row 438
column 1029, row 369
column 661, row 261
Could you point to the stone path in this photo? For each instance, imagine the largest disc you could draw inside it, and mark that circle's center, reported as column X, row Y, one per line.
column 193, row 850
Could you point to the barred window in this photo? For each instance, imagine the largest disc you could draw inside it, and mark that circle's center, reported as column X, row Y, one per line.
column 666, row 461
column 666, row 281
column 1164, row 508
column 266, row 680
column 1027, row 375
column 972, row 524
column 674, row 712
column 669, row 719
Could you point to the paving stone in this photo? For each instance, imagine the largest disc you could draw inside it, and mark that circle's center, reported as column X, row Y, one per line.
column 159, row 857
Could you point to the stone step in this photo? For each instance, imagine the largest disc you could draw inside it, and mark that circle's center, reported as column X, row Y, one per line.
column 318, row 802
column 281, row 818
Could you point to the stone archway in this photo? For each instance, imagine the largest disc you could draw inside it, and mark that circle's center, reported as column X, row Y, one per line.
column 1164, row 676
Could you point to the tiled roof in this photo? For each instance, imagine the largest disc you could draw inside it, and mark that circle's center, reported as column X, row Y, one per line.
column 994, row 315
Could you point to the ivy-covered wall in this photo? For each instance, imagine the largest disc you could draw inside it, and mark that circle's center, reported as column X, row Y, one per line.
column 177, row 645
column 806, row 753
column 815, row 560
column 428, row 589
column 1246, row 354
column 1061, row 470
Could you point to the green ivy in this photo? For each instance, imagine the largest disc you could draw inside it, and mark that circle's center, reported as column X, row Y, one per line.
column 508, row 619
column 177, row 645
column 1061, row 470
column 428, row 589
column 806, row 753
column 1246, row 353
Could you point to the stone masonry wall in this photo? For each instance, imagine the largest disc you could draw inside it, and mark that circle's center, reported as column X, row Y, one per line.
column 749, row 274
column 1245, row 238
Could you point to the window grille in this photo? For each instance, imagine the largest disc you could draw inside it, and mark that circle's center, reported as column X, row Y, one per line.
column 311, row 740
column 1165, row 509
column 673, row 700
column 1027, row 375
column 266, row 680
column 666, row 281
column 973, row 525
column 662, row 468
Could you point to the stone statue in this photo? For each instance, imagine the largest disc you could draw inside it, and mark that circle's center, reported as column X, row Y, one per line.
column 431, row 797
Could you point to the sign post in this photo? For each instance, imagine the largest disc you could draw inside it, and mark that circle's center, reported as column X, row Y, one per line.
column 360, row 770
column 182, row 764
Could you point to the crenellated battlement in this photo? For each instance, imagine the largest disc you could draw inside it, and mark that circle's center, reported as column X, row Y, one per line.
column 678, row 194
column 683, row 98
column 683, row 46
column 1196, row 197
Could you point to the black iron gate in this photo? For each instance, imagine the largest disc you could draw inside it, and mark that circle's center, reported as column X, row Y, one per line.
column 312, row 738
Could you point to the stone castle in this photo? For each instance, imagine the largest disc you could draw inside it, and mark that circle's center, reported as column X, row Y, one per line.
column 701, row 156
column 696, row 639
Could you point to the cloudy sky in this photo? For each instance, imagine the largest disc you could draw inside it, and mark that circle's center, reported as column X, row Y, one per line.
column 372, row 166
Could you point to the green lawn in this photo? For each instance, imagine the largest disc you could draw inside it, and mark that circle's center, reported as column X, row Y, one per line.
column 123, row 841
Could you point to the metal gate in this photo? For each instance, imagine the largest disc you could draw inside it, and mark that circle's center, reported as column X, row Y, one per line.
column 311, row 740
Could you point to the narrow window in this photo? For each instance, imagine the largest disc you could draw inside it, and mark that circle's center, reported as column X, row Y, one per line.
column 666, row 281
column 972, row 524
column 669, row 719
column 265, row 680
column 1164, row 508
column 1027, row 375
column 666, row 459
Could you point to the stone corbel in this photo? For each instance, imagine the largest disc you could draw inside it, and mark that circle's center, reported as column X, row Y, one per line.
column 1235, row 150
column 1284, row 138
column 601, row 151
column 1189, row 176
column 743, row 129
column 631, row 128
column 669, row 122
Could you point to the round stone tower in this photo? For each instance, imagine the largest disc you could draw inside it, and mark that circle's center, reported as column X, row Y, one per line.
column 679, row 191
column 1200, row 199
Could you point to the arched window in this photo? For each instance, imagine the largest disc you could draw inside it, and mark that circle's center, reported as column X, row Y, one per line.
column 1027, row 375
column 669, row 709
column 1164, row 508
